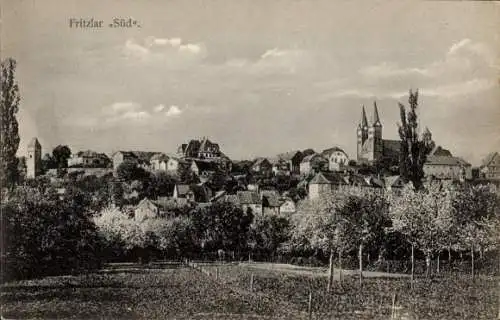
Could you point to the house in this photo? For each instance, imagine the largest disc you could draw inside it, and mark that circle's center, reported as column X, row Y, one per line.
column 287, row 206
column 313, row 163
column 159, row 162
column 490, row 166
column 89, row 159
column 324, row 184
column 204, row 168
column 201, row 149
column 370, row 144
column 250, row 200
column 192, row 192
column 271, row 202
column 140, row 158
column 146, row 209
column 337, row 158
column 292, row 160
column 280, row 166
column 262, row 166
column 170, row 164
column 446, row 167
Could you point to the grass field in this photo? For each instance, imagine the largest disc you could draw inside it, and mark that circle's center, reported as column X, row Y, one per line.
column 279, row 292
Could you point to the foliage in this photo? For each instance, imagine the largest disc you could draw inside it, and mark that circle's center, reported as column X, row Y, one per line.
column 9, row 127
column 414, row 149
column 60, row 156
column 222, row 225
column 267, row 233
column 44, row 234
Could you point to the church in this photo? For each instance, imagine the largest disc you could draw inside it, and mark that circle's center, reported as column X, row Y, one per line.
column 370, row 145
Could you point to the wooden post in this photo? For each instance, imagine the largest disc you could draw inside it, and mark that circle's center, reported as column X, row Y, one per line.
column 472, row 261
column 309, row 305
column 360, row 265
column 217, row 273
column 412, row 264
column 330, row 276
column 340, row 266
column 437, row 266
column 393, row 306
column 251, row 282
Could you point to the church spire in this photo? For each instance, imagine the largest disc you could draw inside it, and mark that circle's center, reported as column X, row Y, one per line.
column 376, row 118
column 364, row 122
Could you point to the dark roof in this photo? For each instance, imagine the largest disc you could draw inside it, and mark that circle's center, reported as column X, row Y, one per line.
column 34, row 143
column 199, row 192
column 259, row 161
column 142, row 156
column 290, row 155
column 444, row 160
column 248, row 197
column 329, row 151
column 160, row 157
column 271, row 198
column 489, row 158
column 391, row 147
column 440, row 151
column 327, row 178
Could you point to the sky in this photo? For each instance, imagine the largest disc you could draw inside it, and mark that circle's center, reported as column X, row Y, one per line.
column 258, row 77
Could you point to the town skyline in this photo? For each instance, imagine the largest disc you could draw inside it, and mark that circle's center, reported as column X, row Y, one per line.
column 260, row 79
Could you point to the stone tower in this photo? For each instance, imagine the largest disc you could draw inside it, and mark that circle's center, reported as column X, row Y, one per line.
column 375, row 135
column 362, row 134
column 33, row 158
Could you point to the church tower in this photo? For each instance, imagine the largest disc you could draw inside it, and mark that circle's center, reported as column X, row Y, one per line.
column 34, row 158
column 362, row 134
column 375, row 136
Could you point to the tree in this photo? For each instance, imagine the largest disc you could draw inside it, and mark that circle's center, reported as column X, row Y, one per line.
column 476, row 214
column 222, row 226
column 61, row 154
column 424, row 217
column 9, row 127
column 414, row 149
column 43, row 234
column 366, row 211
column 267, row 233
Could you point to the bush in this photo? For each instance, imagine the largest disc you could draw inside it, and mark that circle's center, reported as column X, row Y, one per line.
column 43, row 234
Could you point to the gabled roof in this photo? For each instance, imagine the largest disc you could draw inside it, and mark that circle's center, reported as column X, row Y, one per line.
column 489, row 158
column 311, row 157
column 259, row 161
column 440, row 151
column 248, row 197
column 448, row 161
column 290, row 155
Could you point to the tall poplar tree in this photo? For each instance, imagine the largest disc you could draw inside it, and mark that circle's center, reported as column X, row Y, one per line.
column 414, row 147
column 9, row 127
